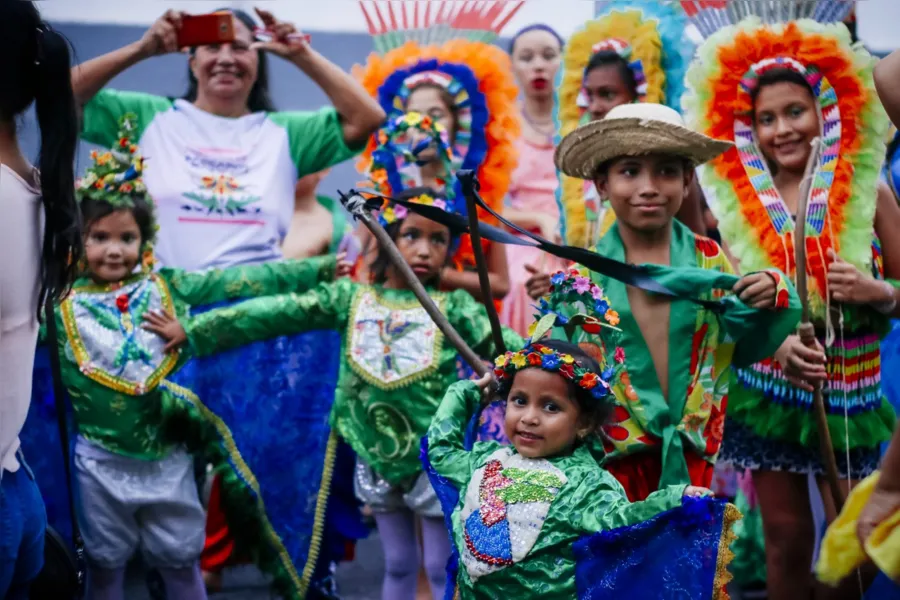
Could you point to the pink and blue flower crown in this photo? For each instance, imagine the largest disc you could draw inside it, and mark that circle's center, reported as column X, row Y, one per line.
column 578, row 309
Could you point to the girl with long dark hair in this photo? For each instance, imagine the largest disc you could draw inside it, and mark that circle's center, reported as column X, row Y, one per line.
column 39, row 243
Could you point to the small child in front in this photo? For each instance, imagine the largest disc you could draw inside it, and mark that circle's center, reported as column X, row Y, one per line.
column 522, row 506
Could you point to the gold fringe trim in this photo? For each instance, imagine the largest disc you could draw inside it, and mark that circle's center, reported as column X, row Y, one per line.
column 315, row 544
column 723, row 575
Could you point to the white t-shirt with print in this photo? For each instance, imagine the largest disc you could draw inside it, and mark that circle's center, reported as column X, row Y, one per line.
column 223, row 187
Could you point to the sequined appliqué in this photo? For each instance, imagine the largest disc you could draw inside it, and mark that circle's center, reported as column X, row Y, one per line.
column 392, row 345
column 109, row 345
column 505, row 507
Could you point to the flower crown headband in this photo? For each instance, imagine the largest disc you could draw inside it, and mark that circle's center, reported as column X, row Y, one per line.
column 623, row 49
column 576, row 295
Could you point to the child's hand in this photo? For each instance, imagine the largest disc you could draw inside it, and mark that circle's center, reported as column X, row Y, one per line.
column 802, row 365
column 167, row 327
column 538, row 284
column 757, row 290
column 693, row 491
column 847, row 284
column 486, row 387
column 344, row 267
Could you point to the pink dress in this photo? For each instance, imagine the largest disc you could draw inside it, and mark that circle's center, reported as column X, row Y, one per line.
column 533, row 188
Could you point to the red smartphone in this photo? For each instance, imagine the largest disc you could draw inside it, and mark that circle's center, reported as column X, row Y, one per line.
column 203, row 30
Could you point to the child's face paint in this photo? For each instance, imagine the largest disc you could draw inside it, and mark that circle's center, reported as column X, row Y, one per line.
column 541, row 418
column 424, row 245
column 645, row 192
column 112, row 246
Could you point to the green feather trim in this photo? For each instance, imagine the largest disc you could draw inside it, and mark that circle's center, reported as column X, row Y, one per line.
column 798, row 425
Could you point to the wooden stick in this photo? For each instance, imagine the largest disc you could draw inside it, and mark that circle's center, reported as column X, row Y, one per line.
column 469, row 184
column 357, row 207
column 807, row 332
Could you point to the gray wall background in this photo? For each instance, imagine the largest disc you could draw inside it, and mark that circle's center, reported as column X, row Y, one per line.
column 167, row 76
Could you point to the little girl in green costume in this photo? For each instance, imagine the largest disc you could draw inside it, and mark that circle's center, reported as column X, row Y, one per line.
column 135, row 487
column 522, row 507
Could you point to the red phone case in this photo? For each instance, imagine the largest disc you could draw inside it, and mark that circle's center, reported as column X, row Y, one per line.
column 202, row 30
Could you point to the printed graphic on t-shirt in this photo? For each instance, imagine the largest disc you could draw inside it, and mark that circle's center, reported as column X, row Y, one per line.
column 221, row 194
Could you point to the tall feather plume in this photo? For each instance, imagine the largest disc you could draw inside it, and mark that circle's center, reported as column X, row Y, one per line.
column 710, row 16
column 392, row 23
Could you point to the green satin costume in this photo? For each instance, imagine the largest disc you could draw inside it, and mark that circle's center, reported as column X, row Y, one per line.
column 395, row 367
column 549, row 504
column 112, row 368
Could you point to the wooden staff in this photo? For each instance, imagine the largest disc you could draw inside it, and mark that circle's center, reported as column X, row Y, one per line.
column 806, row 330
column 469, row 186
column 356, row 206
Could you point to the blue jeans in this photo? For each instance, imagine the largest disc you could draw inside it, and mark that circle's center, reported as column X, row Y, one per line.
column 22, row 525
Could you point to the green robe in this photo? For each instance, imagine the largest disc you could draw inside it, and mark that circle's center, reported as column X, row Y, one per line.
column 395, row 363
column 113, row 369
column 703, row 346
column 548, row 504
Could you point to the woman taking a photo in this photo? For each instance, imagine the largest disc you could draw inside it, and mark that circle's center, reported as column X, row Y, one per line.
column 39, row 244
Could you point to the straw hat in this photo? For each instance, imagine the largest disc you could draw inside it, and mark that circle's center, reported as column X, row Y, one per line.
column 633, row 130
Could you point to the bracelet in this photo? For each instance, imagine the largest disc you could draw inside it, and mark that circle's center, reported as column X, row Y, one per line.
column 888, row 306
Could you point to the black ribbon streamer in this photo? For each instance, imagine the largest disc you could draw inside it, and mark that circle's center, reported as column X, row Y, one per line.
column 632, row 275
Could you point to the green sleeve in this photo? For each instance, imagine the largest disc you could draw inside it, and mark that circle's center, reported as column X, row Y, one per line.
column 446, row 435
column 758, row 332
column 100, row 121
column 469, row 317
column 610, row 508
column 316, row 139
column 250, row 281
column 325, row 307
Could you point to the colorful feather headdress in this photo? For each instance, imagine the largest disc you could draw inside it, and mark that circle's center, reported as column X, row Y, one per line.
column 753, row 218
column 448, row 44
column 650, row 36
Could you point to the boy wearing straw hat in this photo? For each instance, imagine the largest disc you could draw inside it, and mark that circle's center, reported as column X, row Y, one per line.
column 668, row 424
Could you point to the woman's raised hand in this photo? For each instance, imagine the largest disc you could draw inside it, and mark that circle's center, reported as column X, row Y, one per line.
column 162, row 37
column 287, row 42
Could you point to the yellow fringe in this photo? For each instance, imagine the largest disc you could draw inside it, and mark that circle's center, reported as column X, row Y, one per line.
column 646, row 46
column 315, row 544
column 723, row 575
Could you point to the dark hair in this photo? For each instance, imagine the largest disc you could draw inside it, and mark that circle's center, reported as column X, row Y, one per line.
column 594, row 412
column 259, row 100
column 448, row 100
column 608, row 58
column 773, row 76
column 93, row 210
column 36, row 68
column 381, row 263
column 534, row 27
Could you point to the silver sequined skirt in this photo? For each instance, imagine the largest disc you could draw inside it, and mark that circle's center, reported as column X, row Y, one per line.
column 381, row 496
